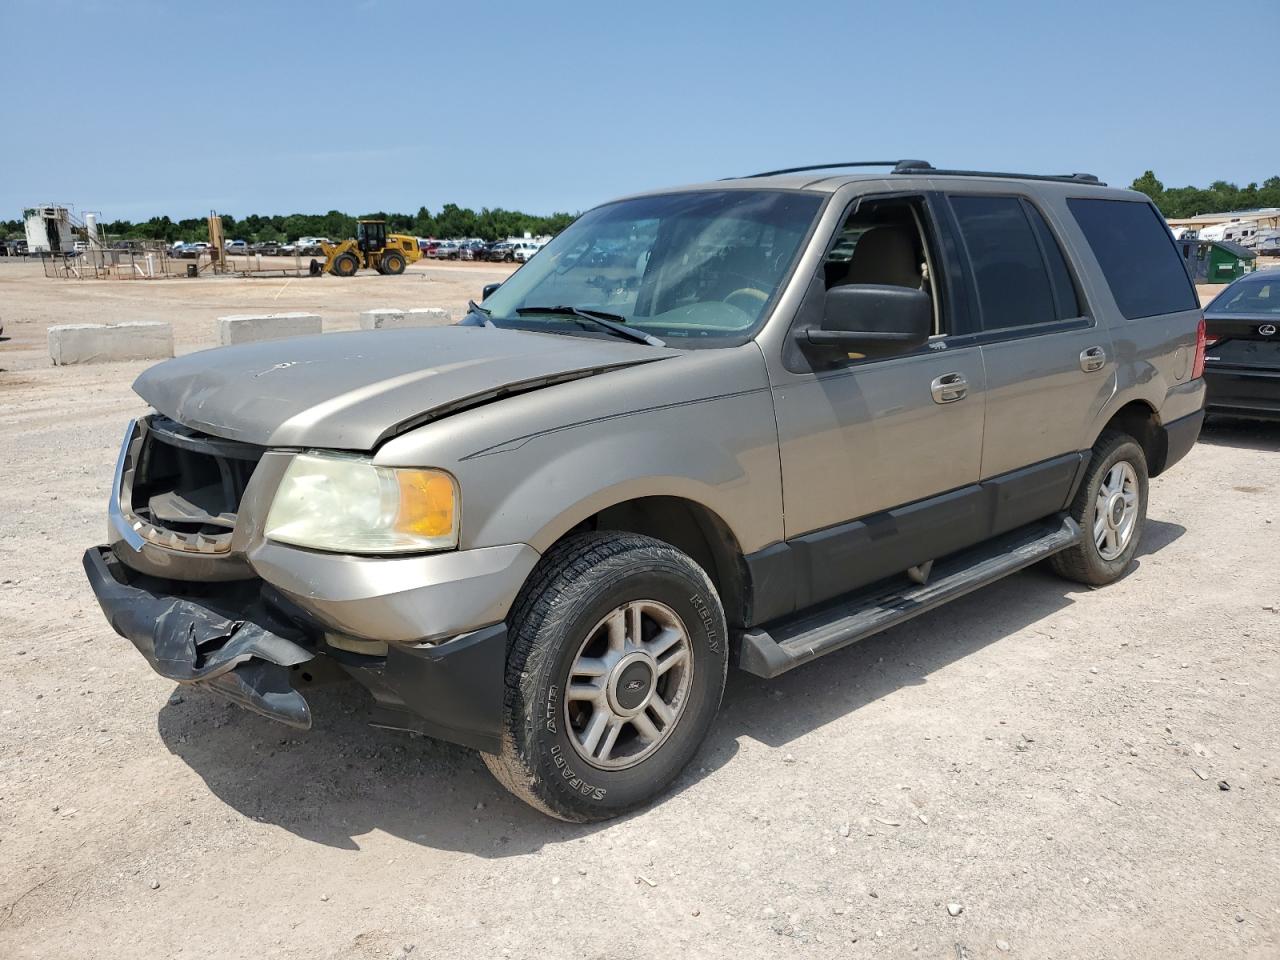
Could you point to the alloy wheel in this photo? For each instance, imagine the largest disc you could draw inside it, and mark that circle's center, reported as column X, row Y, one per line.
column 1115, row 515
column 628, row 684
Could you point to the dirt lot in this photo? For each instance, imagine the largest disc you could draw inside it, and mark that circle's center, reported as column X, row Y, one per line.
column 1054, row 760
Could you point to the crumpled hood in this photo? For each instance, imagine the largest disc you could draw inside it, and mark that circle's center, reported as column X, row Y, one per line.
column 351, row 391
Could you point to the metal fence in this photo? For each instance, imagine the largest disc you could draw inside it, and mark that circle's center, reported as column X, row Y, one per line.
column 153, row 261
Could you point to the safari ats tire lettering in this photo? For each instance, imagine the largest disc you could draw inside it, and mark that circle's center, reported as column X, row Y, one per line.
column 574, row 781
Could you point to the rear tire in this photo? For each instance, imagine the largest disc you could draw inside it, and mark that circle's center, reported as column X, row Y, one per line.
column 1111, row 509
column 393, row 264
column 345, row 265
column 613, row 633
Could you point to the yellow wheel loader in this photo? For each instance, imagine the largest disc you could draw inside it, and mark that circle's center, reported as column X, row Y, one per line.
column 373, row 248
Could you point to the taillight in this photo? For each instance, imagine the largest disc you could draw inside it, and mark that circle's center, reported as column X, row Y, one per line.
column 1202, row 342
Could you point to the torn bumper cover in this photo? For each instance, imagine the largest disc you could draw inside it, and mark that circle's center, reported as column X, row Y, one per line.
column 191, row 641
column 247, row 645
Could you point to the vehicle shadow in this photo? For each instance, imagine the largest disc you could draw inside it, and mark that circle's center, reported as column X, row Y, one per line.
column 342, row 779
column 1221, row 431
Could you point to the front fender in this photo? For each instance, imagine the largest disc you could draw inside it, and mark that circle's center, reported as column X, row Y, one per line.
column 721, row 453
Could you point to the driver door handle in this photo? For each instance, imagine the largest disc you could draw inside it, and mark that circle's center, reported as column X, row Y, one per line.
column 949, row 388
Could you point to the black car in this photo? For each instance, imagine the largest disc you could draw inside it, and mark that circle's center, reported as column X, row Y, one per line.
column 1242, row 359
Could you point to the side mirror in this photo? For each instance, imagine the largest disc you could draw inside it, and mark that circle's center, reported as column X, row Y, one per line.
column 872, row 319
column 487, row 289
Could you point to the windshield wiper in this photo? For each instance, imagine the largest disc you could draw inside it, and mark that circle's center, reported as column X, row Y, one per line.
column 609, row 321
column 473, row 307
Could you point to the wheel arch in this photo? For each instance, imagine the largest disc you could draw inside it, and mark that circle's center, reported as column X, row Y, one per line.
column 1140, row 420
column 686, row 524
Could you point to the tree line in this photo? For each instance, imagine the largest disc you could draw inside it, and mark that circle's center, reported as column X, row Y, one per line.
column 497, row 223
column 450, row 221
column 1218, row 197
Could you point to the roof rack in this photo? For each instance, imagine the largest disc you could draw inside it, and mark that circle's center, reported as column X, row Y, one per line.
column 921, row 167
column 832, row 166
column 926, row 168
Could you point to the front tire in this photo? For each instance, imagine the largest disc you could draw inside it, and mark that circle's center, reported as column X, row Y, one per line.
column 1111, row 509
column 345, row 265
column 616, row 662
column 393, row 264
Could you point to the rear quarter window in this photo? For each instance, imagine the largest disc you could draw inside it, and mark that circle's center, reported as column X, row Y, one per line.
column 1137, row 255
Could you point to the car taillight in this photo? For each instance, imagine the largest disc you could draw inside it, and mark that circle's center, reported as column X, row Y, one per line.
column 1202, row 342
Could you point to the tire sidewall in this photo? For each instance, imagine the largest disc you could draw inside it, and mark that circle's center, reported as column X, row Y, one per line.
column 1132, row 453
column 548, row 750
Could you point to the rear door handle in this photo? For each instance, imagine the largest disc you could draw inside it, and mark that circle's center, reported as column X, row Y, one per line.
column 1094, row 358
column 949, row 388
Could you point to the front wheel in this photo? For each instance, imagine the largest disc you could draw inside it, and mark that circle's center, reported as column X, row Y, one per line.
column 393, row 263
column 345, row 265
column 616, row 663
column 1111, row 509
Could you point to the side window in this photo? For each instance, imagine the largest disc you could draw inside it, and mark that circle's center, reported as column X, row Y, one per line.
column 1135, row 250
column 1012, row 281
column 886, row 242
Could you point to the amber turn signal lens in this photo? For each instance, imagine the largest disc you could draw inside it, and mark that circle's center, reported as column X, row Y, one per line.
column 428, row 506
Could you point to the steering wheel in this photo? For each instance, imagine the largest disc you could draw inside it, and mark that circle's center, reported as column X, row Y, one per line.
column 749, row 299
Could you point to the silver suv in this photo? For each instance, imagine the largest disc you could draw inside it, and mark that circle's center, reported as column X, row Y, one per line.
column 748, row 422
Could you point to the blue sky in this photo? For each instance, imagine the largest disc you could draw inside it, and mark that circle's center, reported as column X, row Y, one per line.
column 141, row 108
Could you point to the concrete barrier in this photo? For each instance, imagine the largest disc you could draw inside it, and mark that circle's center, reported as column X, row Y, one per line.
column 100, row 342
column 248, row 328
column 429, row 317
column 383, row 318
column 391, row 318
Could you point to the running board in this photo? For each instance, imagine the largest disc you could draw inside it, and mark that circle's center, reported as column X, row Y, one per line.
column 778, row 647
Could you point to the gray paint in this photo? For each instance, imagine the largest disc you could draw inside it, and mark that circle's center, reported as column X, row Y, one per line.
column 774, row 452
column 350, row 390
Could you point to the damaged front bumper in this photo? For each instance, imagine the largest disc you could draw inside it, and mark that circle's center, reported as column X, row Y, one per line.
column 246, row 658
column 248, row 644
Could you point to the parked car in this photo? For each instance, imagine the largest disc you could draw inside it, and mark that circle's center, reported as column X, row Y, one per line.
column 444, row 250
column 236, row 247
column 472, row 250
column 190, row 251
column 311, row 246
column 547, row 532
column 1242, row 366
column 288, row 249
column 522, row 250
column 502, row 251
column 267, row 248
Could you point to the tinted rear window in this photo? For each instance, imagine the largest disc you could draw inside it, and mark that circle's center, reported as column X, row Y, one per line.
column 1014, row 289
column 1137, row 256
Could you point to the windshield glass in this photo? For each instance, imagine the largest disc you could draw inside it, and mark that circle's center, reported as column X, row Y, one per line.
column 1250, row 296
column 689, row 266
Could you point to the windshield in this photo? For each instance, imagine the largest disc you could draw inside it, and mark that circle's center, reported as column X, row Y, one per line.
column 1250, row 296
column 691, row 266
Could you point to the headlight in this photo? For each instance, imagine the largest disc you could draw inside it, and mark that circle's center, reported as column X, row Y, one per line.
column 347, row 505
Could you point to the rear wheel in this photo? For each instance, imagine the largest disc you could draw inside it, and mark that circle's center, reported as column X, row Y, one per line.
column 615, row 667
column 346, row 265
column 393, row 263
column 1111, row 509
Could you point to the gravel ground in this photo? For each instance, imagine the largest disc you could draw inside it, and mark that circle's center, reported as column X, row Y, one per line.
column 1038, row 770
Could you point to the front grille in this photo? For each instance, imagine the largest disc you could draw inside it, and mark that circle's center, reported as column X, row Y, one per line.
column 183, row 488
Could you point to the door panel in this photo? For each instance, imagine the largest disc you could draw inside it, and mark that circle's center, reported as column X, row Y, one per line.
column 1041, row 403
column 871, row 436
